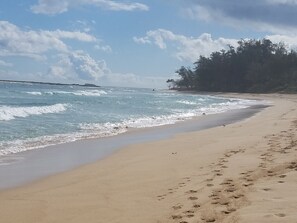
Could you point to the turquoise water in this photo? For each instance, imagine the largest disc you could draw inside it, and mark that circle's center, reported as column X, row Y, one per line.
column 36, row 115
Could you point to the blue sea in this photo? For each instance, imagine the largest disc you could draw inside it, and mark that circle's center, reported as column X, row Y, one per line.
column 33, row 116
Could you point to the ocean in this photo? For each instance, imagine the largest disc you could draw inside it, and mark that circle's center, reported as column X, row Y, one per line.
column 33, row 116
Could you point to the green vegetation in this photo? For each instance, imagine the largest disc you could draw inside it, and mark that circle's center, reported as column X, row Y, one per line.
column 254, row 66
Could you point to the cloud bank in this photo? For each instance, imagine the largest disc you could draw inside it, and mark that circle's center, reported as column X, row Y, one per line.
column 15, row 41
column 44, row 46
column 186, row 48
column 262, row 15
column 191, row 48
column 52, row 7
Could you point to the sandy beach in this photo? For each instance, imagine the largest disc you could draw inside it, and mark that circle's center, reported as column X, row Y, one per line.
column 242, row 172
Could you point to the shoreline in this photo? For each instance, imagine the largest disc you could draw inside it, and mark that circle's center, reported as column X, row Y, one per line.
column 243, row 172
column 55, row 159
column 93, row 130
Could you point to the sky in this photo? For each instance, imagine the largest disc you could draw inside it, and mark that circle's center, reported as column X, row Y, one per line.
column 135, row 43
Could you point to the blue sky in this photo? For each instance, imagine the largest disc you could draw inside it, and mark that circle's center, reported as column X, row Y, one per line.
column 129, row 43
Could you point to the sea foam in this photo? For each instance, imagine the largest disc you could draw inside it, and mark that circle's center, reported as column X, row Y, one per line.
column 8, row 112
column 93, row 93
column 34, row 92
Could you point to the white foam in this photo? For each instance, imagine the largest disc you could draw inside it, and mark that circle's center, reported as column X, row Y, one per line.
column 90, row 93
column 187, row 102
column 8, row 113
column 34, row 93
column 97, row 130
column 80, row 93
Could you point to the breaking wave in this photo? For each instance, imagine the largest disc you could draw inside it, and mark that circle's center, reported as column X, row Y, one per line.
column 8, row 113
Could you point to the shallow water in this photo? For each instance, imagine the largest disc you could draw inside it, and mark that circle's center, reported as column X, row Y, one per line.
column 36, row 115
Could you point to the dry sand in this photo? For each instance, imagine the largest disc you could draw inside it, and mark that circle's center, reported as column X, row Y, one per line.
column 244, row 172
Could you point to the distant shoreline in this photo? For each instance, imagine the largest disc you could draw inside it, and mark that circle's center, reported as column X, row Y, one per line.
column 50, row 83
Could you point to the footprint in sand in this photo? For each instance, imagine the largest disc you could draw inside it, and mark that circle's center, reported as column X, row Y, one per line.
column 229, row 210
column 230, row 190
column 224, row 202
column 214, row 202
column 188, row 179
column 193, row 198
column 176, row 217
column 247, row 184
column 266, row 189
column 161, row 197
column 226, row 182
column 270, row 173
column 191, row 191
column 280, row 215
column 196, row 206
column 190, row 215
column 181, row 185
column 209, row 219
column 237, row 196
column 189, row 212
column 177, row 207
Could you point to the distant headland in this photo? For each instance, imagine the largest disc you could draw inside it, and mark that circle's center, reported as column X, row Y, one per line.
column 50, row 83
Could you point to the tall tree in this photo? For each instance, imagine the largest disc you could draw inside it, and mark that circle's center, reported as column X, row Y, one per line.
column 254, row 66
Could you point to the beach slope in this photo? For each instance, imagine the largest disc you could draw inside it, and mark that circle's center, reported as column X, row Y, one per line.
column 242, row 172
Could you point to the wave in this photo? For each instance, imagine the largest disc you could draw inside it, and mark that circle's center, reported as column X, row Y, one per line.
column 98, row 130
column 8, row 113
column 34, row 93
column 17, row 146
column 90, row 93
column 80, row 93
column 187, row 102
column 153, row 121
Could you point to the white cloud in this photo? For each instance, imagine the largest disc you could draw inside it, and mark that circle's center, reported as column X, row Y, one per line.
column 84, row 25
column 17, row 42
column 104, row 48
column 52, row 7
column 76, row 35
column 289, row 41
column 86, row 67
column 5, row 64
column 142, row 40
column 38, row 44
column 79, row 65
column 186, row 48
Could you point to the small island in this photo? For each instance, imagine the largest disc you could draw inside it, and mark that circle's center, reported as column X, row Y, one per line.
column 50, row 83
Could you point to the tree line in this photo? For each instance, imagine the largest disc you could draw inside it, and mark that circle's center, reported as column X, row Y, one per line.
column 254, row 66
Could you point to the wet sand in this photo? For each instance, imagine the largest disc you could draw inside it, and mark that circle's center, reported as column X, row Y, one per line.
column 240, row 172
